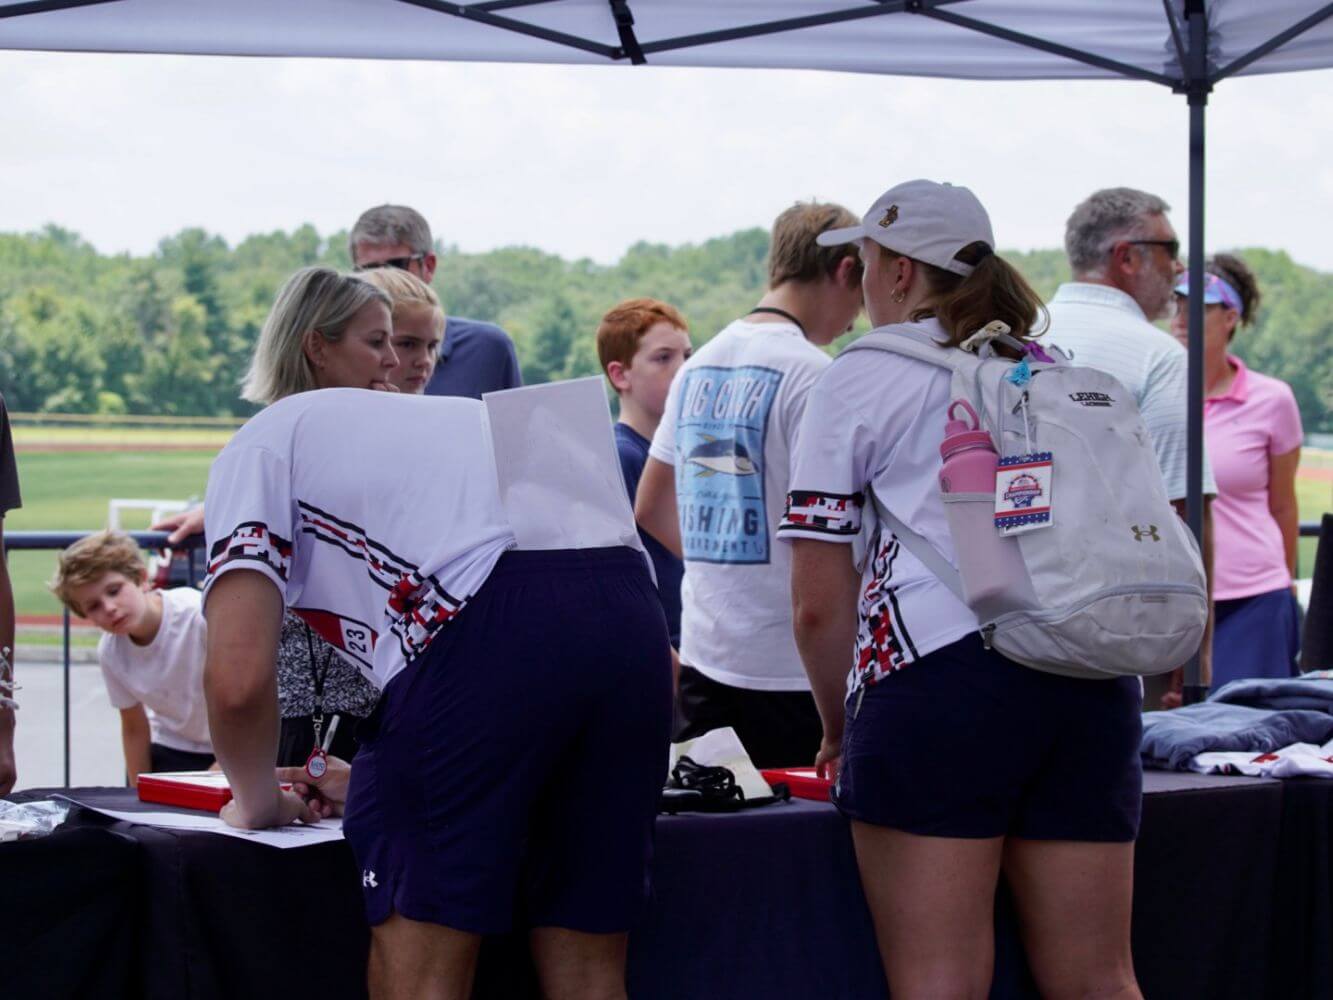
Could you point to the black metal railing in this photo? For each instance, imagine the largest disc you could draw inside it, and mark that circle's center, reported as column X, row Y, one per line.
column 27, row 541
column 23, row 541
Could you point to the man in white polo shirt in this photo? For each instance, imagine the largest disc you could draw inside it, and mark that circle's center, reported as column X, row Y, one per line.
column 1125, row 257
column 715, row 486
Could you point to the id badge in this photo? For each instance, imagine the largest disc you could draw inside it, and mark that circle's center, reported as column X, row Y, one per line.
column 316, row 764
column 1023, row 492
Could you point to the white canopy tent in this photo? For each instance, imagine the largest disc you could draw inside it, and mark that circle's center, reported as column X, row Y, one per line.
column 1187, row 45
column 974, row 39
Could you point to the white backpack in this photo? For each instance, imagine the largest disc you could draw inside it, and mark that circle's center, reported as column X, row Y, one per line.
column 1115, row 584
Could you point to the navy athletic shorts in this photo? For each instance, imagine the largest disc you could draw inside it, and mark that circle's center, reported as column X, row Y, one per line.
column 511, row 774
column 966, row 743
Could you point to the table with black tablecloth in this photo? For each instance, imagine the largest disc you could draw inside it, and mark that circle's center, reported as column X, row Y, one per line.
column 1230, row 900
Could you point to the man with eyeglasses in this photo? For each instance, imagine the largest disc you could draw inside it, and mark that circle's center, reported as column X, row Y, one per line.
column 1125, row 258
column 475, row 357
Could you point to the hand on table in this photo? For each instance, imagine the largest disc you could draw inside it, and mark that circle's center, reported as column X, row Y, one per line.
column 326, row 795
column 287, row 808
column 182, row 525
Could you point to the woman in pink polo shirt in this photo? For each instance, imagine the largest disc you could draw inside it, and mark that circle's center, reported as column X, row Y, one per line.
column 1253, row 432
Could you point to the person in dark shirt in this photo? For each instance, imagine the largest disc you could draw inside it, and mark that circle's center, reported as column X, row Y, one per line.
column 474, row 357
column 641, row 343
column 9, row 500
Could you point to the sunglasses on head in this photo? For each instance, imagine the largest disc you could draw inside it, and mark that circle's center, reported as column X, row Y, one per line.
column 402, row 263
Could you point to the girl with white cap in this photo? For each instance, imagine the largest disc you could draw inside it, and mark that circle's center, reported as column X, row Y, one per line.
column 953, row 763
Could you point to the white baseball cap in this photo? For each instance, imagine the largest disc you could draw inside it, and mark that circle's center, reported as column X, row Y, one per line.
column 924, row 220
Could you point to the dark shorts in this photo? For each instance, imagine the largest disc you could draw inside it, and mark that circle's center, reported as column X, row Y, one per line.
column 511, row 774
column 1255, row 636
column 777, row 728
column 965, row 743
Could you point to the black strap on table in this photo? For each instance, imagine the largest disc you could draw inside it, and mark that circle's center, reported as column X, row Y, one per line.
column 779, row 312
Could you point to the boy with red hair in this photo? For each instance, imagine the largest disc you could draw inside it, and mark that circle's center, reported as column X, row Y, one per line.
column 641, row 343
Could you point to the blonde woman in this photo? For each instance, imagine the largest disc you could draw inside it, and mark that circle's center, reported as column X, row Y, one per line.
column 418, row 326
column 326, row 331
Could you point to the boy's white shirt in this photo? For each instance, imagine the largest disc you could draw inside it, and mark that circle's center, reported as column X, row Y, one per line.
column 736, row 624
column 166, row 676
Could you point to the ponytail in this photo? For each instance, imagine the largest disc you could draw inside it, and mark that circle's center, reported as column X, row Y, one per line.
column 993, row 291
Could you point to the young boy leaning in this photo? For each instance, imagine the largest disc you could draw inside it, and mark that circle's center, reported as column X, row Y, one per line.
column 152, row 652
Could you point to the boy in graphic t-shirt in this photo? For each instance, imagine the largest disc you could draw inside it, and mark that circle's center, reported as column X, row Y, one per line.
column 152, row 652
column 641, row 343
column 715, row 486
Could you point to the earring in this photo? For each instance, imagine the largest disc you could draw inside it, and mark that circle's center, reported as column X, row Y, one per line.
column 899, row 296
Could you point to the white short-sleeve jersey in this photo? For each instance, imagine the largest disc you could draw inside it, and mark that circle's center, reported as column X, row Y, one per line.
column 376, row 515
column 730, row 429
column 1104, row 328
column 166, row 676
column 877, row 420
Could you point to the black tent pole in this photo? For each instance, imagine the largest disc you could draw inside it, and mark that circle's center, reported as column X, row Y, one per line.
column 1195, row 689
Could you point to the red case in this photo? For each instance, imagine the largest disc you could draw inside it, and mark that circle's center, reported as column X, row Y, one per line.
column 803, row 782
column 177, row 790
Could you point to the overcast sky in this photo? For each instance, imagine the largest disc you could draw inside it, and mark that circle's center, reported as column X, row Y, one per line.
column 584, row 161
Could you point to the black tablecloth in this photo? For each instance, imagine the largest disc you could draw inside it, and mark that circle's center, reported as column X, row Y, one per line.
column 1231, row 900
column 1302, row 952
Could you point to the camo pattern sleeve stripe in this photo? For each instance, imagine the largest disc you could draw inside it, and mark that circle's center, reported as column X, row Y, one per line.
column 836, row 514
column 251, row 545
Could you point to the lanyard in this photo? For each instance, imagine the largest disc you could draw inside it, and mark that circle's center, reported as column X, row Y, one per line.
column 316, row 761
column 779, row 312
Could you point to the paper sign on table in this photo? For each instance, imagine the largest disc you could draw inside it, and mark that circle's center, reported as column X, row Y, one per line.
column 294, row 835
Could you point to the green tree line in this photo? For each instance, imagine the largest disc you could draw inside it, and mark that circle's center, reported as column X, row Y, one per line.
column 171, row 332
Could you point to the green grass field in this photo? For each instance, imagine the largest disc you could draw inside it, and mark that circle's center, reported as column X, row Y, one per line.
column 69, row 490
column 37, row 437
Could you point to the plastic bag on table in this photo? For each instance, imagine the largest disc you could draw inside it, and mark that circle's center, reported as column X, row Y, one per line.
column 25, row 820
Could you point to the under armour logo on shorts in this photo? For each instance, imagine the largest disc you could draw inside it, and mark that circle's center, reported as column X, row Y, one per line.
column 368, row 880
column 1149, row 532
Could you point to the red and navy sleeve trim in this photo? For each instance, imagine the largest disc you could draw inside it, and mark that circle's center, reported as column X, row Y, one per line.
column 836, row 514
column 252, row 541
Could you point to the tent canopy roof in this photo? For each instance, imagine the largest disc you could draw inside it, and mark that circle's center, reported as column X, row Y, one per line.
column 976, row 39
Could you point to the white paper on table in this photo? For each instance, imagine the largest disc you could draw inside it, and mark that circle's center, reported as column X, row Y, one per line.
column 723, row 748
column 558, row 470
column 295, row 835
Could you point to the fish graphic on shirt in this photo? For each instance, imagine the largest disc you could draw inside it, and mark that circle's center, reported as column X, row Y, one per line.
column 721, row 455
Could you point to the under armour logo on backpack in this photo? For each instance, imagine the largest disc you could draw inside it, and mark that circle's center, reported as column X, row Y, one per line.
column 1149, row 532
column 368, row 880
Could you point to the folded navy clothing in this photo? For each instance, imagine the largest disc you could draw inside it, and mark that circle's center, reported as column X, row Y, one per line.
column 1312, row 691
column 1170, row 739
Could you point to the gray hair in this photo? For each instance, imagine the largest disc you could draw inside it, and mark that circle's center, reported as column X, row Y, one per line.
column 1104, row 218
column 314, row 298
column 390, row 225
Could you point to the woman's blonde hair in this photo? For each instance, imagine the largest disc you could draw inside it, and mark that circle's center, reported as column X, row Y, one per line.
column 91, row 558
column 405, row 290
column 314, row 298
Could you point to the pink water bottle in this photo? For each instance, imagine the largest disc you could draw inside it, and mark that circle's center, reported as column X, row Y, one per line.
column 995, row 578
column 969, row 455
